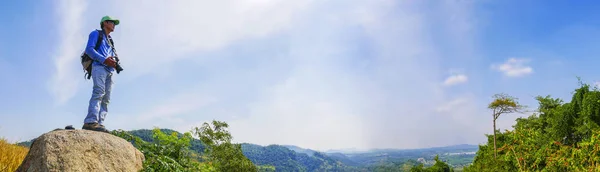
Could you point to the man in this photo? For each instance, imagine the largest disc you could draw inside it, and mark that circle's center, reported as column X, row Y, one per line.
column 103, row 67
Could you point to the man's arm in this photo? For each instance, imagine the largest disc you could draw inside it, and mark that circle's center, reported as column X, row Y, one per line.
column 89, row 49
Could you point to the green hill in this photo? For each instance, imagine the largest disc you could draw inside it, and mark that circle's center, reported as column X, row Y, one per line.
column 560, row 136
column 294, row 158
column 285, row 159
column 308, row 152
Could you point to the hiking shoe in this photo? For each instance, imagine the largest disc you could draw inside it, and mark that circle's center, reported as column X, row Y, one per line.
column 94, row 127
column 108, row 131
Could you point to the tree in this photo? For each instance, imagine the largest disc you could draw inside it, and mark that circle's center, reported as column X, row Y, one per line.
column 439, row 166
column 560, row 137
column 225, row 155
column 503, row 104
column 166, row 152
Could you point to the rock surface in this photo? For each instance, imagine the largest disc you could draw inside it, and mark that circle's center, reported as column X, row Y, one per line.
column 81, row 150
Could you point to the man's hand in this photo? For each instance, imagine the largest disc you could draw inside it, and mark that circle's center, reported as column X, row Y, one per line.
column 110, row 62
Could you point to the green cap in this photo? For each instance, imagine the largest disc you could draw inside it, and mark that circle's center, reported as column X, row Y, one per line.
column 109, row 18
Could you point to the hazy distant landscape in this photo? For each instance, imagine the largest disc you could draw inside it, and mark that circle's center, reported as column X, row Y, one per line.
column 559, row 137
column 294, row 158
column 304, row 85
column 455, row 156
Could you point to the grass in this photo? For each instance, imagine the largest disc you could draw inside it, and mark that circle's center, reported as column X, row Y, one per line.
column 11, row 155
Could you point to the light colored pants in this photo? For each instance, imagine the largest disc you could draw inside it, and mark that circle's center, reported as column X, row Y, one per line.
column 98, row 107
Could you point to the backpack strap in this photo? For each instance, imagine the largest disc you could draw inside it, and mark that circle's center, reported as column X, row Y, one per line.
column 99, row 40
column 88, row 73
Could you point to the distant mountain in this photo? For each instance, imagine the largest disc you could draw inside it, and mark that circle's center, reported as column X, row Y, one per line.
column 460, row 147
column 456, row 155
column 344, row 159
column 297, row 149
column 285, row 159
column 281, row 157
column 347, row 151
column 294, row 158
column 463, row 146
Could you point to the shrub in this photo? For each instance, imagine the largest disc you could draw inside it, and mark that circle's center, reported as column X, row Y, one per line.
column 166, row 152
column 170, row 152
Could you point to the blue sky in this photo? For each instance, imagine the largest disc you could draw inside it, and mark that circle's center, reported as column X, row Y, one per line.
column 316, row 74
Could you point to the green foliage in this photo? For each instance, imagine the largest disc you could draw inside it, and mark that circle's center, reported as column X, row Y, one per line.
column 195, row 145
column 284, row 159
column 266, row 168
column 166, row 152
column 503, row 104
column 26, row 144
column 280, row 157
column 162, row 149
column 404, row 166
column 224, row 155
column 171, row 152
column 439, row 166
column 560, row 137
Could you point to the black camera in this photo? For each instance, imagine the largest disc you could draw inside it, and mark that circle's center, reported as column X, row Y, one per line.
column 118, row 68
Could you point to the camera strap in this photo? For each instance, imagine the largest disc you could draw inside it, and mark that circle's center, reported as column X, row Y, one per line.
column 111, row 44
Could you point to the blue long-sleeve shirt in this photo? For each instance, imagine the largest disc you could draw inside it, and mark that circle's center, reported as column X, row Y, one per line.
column 104, row 50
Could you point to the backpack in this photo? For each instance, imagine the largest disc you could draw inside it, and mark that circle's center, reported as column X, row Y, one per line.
column 86, row 60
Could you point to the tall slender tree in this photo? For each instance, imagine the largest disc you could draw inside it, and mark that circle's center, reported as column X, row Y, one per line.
column 503, row 104
column 221, row 152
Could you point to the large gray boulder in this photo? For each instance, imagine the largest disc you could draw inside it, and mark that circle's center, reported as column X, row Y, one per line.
column 81, row 150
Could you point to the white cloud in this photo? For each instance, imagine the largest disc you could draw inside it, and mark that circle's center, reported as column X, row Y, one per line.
column 160, row 32
column 456, row 79
column 63, row 85
column 320, row 102
column 466, row 116
column 514, row 67
column 170, row 30
column 290, row 114
column 456, row 103
column 311, row 88
column 469, row 116
column 181, row 104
